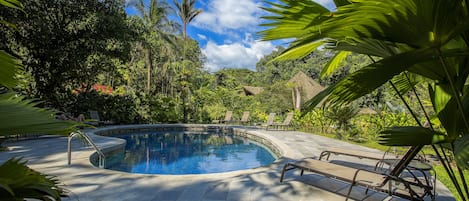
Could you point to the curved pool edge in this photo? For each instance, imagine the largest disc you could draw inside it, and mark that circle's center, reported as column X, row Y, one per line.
column 109, row 144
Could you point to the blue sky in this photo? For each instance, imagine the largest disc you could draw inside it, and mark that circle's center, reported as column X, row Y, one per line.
column 226, row 32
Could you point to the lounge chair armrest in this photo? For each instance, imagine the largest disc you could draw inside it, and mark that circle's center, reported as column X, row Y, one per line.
column 409, row 184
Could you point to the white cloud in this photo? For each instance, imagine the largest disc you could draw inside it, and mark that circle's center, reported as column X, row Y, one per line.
column 222, row 15
column 236, row 55
column 202, row 37
column 233, row 23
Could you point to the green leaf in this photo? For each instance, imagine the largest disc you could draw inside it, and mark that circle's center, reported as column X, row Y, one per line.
column 411, row 136
column 461, row 151
column 341, row 2
column 22, row 117
column 298, row 51
column 367, row 46
column 374, row 75
column 334, row 63
column 12, row 4
column 4, row 187
column 24, row 182
column 405, row 81
column 8, row 69
column 439, row 99
column 292, row 19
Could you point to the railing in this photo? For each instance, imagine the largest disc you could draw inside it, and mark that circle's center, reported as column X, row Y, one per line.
column 89, row 141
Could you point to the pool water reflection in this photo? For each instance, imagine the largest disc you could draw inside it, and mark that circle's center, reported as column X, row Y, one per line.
column 188, row 153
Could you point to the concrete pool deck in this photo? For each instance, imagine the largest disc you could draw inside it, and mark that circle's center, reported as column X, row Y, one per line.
column 85, row 182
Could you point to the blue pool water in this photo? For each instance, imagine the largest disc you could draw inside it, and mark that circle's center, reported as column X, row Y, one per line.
column 188, row 153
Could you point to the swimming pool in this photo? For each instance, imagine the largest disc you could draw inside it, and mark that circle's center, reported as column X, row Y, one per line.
column 188, row 152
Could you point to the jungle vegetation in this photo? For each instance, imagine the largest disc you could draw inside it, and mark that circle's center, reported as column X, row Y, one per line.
column 59, row 55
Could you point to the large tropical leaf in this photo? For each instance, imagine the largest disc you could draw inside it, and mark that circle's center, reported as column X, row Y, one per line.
column 374, row 75
column 334, row 63
column 299, row 51
column 439, row 97
column 21, row 116
column 12, row 4
column 341, row 2
column 371, row 47
column 404, row 82
column 8, row 68
column 411, row 136
column 293, row 19
column 448, row 111
column 461, row 151
column 17, row 182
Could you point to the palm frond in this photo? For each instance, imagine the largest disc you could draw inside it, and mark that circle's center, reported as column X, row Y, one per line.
column 461, row 151
column 293, row 19
column 334, row 63
column 9, row 67
column 404, row 82
column 299, row 51
column 20, row 182
column 12, row 4
column 374, row 75
column 339, row 3
column 411, row 136
column 20, row 116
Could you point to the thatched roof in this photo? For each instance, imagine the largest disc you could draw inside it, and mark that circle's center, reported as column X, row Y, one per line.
column 366, row 111
column 249, row 90
column 308, row 87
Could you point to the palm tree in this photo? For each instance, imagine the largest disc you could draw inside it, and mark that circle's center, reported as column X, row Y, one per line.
column 157, row 27
column 408, row 42
column 187, row 13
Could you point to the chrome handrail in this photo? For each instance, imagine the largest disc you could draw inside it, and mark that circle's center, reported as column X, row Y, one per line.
column 101, row 155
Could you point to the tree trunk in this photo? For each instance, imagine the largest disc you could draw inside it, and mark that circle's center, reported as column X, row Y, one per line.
column 149, row 67
column 296, row 97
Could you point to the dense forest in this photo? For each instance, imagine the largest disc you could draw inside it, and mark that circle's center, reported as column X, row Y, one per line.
column 377, row 71
column 91, row 55
column 71, row 50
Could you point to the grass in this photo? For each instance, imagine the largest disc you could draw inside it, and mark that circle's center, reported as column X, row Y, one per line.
column 443, row 177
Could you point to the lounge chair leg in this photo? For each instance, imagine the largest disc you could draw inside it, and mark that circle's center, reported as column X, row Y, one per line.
column 283, row 171
column 349, row 191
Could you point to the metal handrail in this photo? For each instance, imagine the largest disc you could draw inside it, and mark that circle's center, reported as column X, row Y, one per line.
column 88, row 139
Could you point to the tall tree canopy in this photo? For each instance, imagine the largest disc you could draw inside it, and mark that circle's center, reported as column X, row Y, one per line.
column 63, row 42
column 187, row 13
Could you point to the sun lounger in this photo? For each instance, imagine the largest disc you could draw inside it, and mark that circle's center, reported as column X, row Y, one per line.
column 270, row 121
column 96, row 120
column 228, row 117
column 355, row 153
column 245, row 118
column 413, row 188
column 286, row 123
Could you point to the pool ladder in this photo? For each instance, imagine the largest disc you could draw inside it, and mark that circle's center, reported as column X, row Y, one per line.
column 87, row 138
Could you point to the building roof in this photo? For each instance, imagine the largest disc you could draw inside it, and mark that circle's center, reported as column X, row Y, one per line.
column 249, row 90
column 308, row 87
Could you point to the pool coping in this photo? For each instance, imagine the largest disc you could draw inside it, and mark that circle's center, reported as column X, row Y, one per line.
column 116, row 144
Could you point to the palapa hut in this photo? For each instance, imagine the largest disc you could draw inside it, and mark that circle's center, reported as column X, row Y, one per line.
column 303, row 89
column 250, row 91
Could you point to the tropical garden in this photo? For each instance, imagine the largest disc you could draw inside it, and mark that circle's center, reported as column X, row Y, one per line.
column 407, row 60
